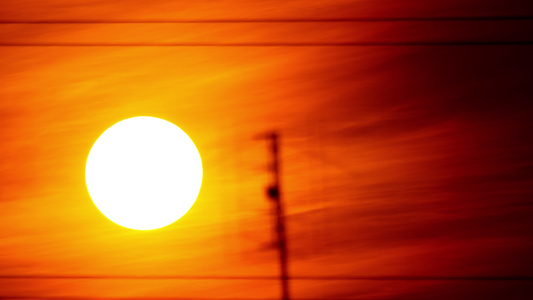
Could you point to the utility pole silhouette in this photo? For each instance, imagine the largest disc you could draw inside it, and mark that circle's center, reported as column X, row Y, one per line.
column 274, row 194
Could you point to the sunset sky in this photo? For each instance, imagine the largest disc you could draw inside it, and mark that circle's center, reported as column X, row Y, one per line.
column 406, row 146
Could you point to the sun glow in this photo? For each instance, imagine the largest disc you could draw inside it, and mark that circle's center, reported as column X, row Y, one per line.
column 144, row 173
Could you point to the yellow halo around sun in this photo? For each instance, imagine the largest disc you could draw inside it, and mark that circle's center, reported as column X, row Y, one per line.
column 143, row 173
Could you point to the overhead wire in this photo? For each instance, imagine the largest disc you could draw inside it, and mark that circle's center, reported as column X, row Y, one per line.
column 296, row 278
column 325, row 44
column 271, row 20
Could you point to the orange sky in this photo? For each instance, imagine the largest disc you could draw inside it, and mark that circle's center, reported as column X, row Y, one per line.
column 397, row 160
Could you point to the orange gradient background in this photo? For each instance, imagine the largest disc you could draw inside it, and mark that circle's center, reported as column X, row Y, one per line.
column 397, row 160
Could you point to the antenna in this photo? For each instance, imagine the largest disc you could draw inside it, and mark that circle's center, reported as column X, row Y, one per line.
column 274, row 194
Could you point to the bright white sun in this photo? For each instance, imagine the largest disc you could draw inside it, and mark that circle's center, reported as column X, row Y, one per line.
column 143, row 173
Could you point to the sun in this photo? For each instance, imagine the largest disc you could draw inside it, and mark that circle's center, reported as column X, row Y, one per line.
column 144, row 173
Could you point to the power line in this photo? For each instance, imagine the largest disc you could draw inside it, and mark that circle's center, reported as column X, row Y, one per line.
column 2, row 297
column 274, row 20
column 325, row 44
column 148, row 298
column 302, row 278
